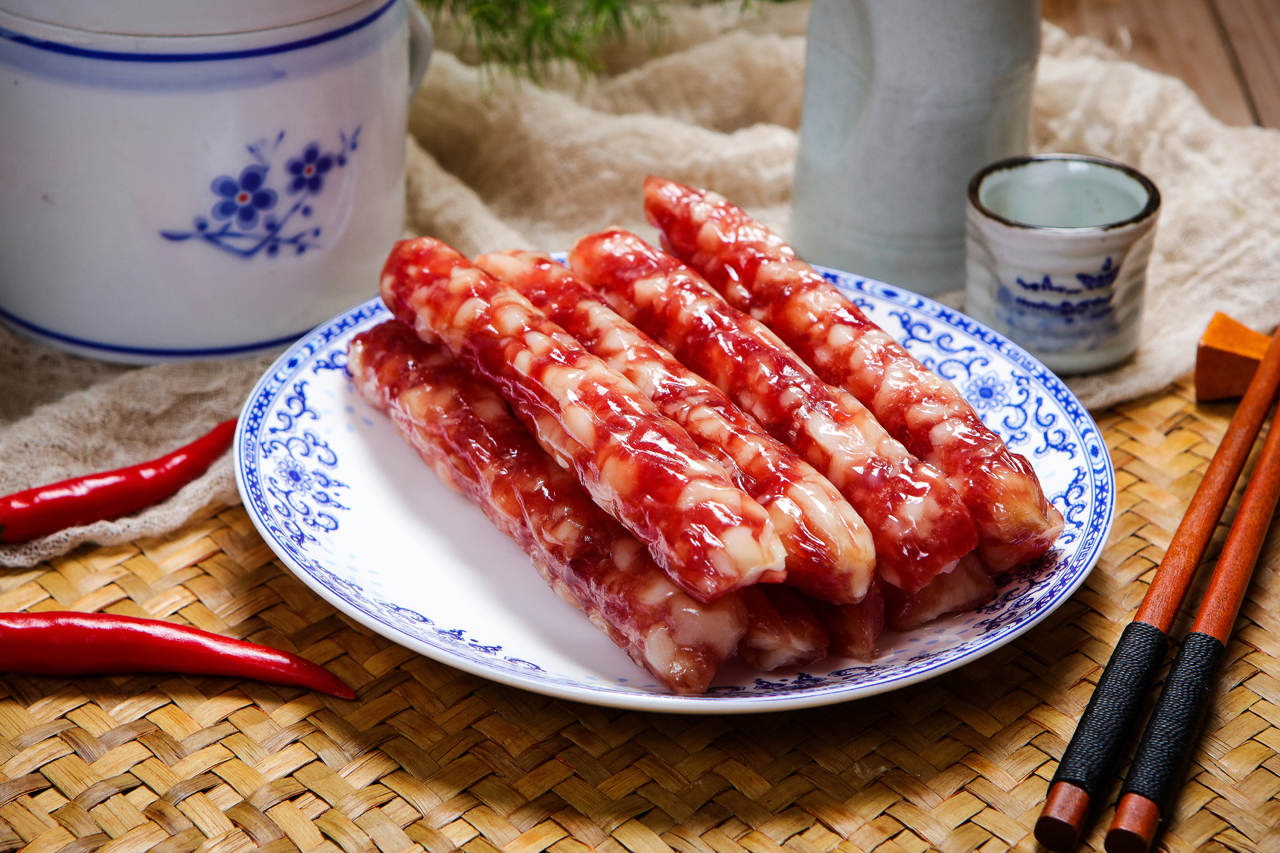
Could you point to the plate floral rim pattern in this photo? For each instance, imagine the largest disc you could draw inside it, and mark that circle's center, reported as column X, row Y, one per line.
column 291, row 482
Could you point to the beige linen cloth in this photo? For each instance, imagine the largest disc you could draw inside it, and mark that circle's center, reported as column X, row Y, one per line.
column 712, row 100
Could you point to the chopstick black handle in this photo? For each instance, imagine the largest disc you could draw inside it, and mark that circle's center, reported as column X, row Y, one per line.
column 1166, row 747
column 1090, row 758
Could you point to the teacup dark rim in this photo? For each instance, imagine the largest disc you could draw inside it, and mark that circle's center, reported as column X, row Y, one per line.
column 1153, row 193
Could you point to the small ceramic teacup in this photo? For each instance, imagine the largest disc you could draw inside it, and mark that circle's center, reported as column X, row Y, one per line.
column 195, row 178
column 1056, row 256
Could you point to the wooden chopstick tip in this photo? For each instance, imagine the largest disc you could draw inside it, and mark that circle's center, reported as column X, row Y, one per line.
column 1066, row 810
column 1135, row 825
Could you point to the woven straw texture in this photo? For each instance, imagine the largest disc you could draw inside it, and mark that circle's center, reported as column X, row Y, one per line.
column 429, row 758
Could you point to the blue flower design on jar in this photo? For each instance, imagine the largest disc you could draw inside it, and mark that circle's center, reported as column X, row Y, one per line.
column 242, row 199
column 241, row 204
column 309, row 169
column 986, row 393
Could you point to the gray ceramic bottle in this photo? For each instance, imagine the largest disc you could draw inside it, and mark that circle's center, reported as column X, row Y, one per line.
column 904, row 101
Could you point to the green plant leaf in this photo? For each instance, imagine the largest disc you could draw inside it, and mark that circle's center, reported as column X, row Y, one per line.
column 532, row 36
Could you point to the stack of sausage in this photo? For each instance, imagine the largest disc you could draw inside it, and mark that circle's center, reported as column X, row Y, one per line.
column 710, row 452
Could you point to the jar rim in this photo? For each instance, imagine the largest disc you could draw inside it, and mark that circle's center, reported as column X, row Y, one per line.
column 141, row 18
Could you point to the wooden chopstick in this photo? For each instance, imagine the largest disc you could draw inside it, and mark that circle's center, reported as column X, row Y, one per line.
column 1161, row 760
column 1087, row 763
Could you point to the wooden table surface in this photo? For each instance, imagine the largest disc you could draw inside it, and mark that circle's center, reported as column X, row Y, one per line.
column 1228, row 51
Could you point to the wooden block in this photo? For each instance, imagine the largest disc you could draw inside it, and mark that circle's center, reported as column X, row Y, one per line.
column 1227, row 358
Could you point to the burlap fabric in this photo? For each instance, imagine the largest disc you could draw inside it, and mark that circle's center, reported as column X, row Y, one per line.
column 711, row 99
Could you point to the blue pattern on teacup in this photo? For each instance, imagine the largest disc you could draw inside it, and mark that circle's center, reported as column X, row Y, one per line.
column 1105, row 278
column 244, row 202
column 1050, row 307
column 1014, row 395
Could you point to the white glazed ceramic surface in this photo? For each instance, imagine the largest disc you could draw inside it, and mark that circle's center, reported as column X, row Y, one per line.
column 1057, row 250
column 352, row 510
column 903, row 101
column 179, row 197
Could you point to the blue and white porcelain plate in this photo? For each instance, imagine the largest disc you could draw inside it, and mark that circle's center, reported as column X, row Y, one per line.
column 351, row 509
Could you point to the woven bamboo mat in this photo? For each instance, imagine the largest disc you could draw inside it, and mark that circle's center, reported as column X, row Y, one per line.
column 430, row 758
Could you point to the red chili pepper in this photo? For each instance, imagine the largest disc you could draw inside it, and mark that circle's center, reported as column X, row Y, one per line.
column 57, row 643
column 111, row 494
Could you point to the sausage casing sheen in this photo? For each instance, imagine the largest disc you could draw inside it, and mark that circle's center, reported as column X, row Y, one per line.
column 466, row 433
column 919, row 526
column 759, row 274
column 643, row 469
column 830, row 554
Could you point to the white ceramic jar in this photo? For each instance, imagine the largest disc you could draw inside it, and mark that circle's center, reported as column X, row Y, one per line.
column 904, row 100
column 194, row 178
